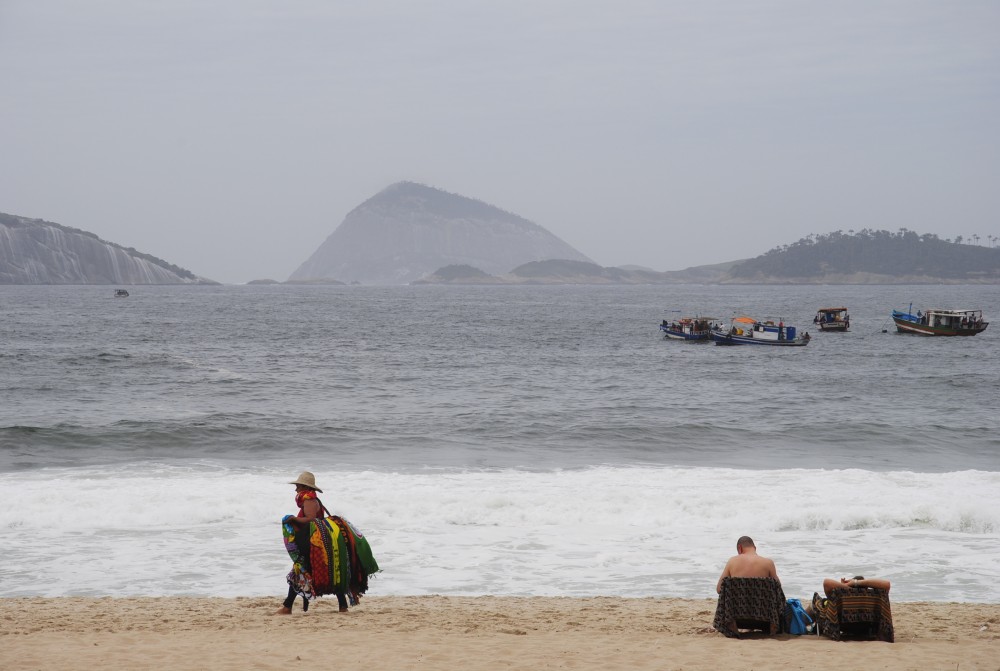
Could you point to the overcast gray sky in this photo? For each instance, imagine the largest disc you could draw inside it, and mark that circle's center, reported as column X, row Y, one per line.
column 231, row 137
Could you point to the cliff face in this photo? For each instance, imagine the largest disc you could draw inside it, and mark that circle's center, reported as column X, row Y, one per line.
column 408, row 231
column 33, row 251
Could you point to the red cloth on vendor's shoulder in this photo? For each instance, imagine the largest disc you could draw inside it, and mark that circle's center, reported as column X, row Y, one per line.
column 302, row 497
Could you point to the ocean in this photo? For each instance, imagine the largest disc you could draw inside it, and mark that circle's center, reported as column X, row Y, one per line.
column 493, row 440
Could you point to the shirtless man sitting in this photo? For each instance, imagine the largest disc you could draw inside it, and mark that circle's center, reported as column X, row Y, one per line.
column 747, row 564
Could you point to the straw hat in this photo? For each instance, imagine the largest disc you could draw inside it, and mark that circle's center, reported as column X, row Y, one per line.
column 308, row 479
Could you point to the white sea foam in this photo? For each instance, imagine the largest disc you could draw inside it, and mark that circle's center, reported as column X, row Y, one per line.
column 208, row 529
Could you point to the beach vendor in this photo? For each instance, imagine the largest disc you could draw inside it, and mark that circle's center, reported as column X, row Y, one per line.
column 329, row 554
column 310, row 511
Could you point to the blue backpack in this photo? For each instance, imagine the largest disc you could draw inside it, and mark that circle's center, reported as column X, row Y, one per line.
column 797, row 620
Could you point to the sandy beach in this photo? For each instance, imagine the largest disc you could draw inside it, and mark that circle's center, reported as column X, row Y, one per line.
column 435, row 632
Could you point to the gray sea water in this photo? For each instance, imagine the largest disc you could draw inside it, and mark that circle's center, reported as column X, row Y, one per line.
column 521, row 440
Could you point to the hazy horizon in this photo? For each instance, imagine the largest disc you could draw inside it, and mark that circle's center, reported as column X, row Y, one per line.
column 231, row 138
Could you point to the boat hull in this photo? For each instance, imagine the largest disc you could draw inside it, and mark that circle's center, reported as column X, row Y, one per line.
column 732, row 339
column 695, row 329
column 694, row 336
column 841, row 327
column 904, row 325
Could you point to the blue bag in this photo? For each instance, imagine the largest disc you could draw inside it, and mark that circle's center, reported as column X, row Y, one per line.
column 797, row 620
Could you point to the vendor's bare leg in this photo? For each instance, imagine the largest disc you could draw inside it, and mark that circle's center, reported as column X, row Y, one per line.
column 283, row 611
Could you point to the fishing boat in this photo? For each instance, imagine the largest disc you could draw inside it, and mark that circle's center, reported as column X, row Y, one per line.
column 832, row 319
column 689, row 328
column 121, row 293
column 750, row 331
column 938, row 322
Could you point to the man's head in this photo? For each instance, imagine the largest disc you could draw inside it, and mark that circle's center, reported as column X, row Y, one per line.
column 745, row 543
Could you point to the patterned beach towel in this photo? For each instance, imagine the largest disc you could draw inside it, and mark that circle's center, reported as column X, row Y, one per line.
column 360, row 560
column 750, row 603
column 860, row 613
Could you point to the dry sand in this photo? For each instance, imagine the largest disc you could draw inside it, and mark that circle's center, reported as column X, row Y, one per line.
column 436, row 632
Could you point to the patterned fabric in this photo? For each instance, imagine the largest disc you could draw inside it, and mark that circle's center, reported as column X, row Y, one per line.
column 360, row 561
column 855, row 612
column 328, row 557
column 750, row 603
column 359, row 545
column 297, row 544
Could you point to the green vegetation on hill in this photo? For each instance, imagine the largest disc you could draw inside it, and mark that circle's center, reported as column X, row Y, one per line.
column 459, row 272
column 901, row 254
column 567, row 268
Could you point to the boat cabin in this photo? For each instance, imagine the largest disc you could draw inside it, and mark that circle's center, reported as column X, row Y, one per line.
column 832, row 319
column 955, row 319
column 767, row 330
column 830, row 315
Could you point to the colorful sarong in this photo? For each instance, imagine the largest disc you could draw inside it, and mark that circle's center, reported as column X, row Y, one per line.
column 330, row 556
column 855, row 613
column 750, row 603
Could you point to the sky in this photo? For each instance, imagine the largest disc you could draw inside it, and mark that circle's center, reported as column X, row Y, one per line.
column 231, row 137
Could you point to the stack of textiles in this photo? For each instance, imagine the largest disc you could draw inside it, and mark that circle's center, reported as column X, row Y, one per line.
column 330, row 556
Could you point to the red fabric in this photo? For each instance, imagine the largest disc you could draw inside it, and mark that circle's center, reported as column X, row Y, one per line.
column 320, row 570
column 302, row 497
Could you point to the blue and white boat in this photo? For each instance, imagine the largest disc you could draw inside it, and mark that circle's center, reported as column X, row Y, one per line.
column 689, row 328
column 750, row 331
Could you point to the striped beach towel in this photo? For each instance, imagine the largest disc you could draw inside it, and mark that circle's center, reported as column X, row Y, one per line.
column 859, row 613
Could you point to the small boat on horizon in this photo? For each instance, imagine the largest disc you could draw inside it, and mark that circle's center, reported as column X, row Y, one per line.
column 121, row 293
column 938, row 322
column 750, row 331
column 689, row 328
column 832, row 319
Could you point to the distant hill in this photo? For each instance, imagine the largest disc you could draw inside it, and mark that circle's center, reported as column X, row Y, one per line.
column 564, row 271
column 459, row 274
column 408, row 230
column 575, row 272
column 871, row 257
column 33, row 251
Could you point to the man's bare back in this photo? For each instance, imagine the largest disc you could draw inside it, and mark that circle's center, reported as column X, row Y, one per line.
column 747, row 564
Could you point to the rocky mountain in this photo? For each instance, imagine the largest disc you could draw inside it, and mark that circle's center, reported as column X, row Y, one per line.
column 33, row 251
column 408, row 231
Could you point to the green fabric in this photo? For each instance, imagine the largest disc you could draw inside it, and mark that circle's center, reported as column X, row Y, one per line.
column 365, row 555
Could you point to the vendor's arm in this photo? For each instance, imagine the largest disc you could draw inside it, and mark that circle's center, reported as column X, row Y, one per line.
column 312, row 510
